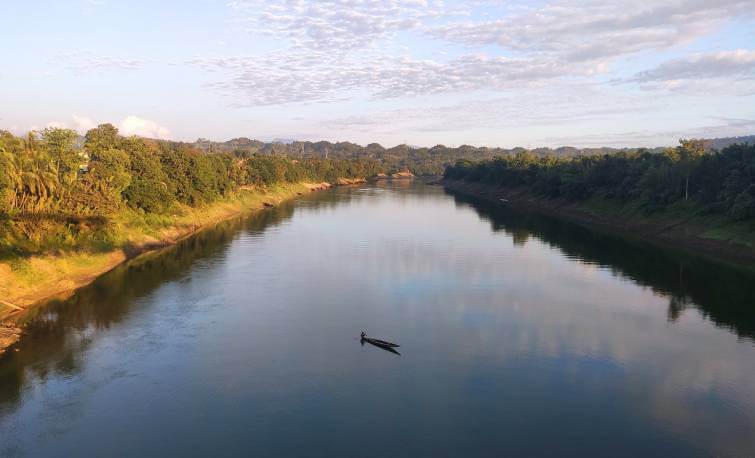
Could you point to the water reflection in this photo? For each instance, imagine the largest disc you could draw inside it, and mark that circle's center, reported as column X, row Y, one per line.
column 533, row 337
column 58, row 333
column 723, row 293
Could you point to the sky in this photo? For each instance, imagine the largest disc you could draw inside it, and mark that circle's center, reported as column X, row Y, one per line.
column 420, row 72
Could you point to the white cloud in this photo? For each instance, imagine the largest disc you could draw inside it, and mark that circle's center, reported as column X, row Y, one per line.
column 56, row 125
column 409, row 54
column 130, row 125
column 134, row 125
column 336, row 25
column 310, row 76
column 587, row 30
column 82, row 124
column 724, row 73
column 725, row 64
column 335, row 50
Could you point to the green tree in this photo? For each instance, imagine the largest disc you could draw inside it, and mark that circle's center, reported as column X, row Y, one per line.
column 30, row 178
column 60, row 146
column 101, row 138
column 690, row 151
column 148, row 189
column 99, row 191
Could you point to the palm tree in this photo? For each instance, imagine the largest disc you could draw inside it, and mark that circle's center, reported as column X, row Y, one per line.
column 32, row 177
column 14, row 178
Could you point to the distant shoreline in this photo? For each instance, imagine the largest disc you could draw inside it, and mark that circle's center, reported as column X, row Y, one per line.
column 668, row 231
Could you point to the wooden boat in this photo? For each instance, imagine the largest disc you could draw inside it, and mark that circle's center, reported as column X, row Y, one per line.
column 378, row 342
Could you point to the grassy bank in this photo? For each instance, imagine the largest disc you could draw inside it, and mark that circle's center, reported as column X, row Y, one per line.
column 677, row 226
column 53, row 264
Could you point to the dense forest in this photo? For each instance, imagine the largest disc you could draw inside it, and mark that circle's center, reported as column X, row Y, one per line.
column 420, row 160
column 61, row 192
column 688, row 177
column 56, row 171
column 49, row 173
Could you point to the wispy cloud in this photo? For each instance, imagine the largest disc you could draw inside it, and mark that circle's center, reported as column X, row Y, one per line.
column 437, row 65
column 82, row 61
column 587, row 30
column 336, row 25
column 719, row 73
column 336, row 50
column 306, row 76
column 723, row 127
column 549, row 107
column 725, row 64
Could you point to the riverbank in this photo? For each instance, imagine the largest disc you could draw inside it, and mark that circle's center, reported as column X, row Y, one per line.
column 712, row 237
column 27, row 281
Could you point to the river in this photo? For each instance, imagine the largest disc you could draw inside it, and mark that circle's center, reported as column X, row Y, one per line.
column 520, row 336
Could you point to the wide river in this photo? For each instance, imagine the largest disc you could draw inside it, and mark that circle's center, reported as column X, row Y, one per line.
column 520, row 336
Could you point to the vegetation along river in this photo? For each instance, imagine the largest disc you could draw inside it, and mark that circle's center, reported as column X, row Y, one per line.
column 520, row 336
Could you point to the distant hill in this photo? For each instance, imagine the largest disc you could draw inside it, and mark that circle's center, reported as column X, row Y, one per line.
column 721, row 143
column 420, row 160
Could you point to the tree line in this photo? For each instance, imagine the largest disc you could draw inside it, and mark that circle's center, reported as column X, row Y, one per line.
column 419, row 160
column 55, row 171
column 688, row 176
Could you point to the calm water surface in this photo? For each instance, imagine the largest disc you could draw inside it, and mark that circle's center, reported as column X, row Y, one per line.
column 519, row 336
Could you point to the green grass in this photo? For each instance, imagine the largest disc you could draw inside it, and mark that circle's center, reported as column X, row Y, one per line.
column 742, row 233
column 713, row 227
column 47, row 257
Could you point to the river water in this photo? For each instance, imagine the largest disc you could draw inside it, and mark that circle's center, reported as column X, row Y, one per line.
column 520, row 336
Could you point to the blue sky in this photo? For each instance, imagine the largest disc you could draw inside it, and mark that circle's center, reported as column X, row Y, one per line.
column 423, row 72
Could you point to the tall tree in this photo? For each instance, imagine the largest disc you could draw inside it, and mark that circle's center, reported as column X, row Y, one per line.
column 690, row 151
column 101, row 138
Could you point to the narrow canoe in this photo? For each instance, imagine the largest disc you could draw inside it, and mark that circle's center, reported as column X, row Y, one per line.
column 380, row 343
